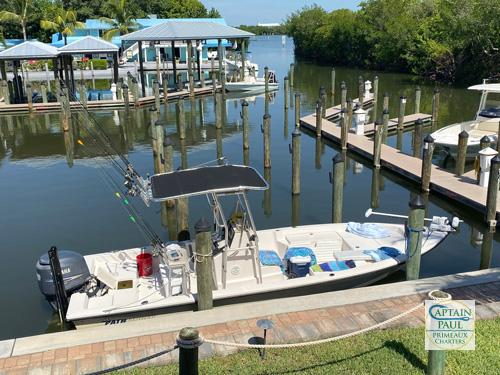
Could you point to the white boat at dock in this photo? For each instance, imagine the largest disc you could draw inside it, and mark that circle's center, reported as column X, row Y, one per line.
column 254, row 84
column 486, row 123
column 248, row 264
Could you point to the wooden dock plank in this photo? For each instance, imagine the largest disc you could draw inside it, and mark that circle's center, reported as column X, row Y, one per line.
column 462, row 189
column 98, row 104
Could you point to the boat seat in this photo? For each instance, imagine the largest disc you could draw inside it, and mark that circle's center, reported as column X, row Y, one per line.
column 487, row 126
column 352, row 255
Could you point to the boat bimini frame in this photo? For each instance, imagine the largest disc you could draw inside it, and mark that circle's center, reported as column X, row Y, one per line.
column 215, row 182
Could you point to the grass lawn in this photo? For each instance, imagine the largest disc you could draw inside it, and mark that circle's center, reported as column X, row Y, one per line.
column 392, row 351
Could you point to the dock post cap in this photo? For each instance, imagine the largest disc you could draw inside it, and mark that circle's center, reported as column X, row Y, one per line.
column 436, row 91
column 189, row 338
column 266, row 116
column 160, row 123
column 386, row 94
column 349, row 100
column 297, row 94
column 377, row 123
column 417, row 202
column 296, row 132
column 167, row 142
column 339, row 158
column 153, row 108
column 124, row 85
column 485, row 139
column 419, row 121
column 333, row 68
column 202, row 225
column 155, row 81
column 244, row 103
column 385, row 112
column 463, row 134
column 428, row 139
column 286, row 78
column 343, row 85
column 488, row 151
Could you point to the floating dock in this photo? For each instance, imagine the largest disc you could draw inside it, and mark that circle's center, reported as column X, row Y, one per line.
column 463, row 189
column 100, row 104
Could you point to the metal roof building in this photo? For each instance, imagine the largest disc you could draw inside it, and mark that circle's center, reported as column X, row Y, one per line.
column 187, row 30
column 29, row 50
column 89, row 44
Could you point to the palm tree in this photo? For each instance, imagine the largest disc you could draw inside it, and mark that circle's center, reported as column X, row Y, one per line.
column 19, row 13
column 121, row 23
column 64, row 22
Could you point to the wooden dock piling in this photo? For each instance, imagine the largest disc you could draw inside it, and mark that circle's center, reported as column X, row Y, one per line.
column 435, row 108
column 244, row 118
column 202, row 78
column 267, row 140
column 156, row 92
column 344, row 126
column 343, row 95
column 297, row 109
column 29, row 96
column 158, row 147
column 349, row 113
column 337, row 180
column 402, row 105
column 417, row 138
column 375, row 97
column 292, row 75
column 218, row 110
column 385, row 104
column 181, row 121
column 43, row 89
column 418, row 94
column 322, row 97
column 377, row 144
column 83, row 95
column 427, row 163
column 375, row 188
column 491, row 197
column 126, row 96
column 463, row 138
column 296, row 161
column 498, row 137
column 414, row 245
column 319, row 118
column 385, row 124
column 164, row 83
column 5, row 92
column 332, row 85
column 484, row 142
column 204, row 271
column 287, row 89
column 361, row 90
column 486, row 249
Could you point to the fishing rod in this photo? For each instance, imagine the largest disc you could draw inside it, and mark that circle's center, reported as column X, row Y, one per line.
column 438, row 220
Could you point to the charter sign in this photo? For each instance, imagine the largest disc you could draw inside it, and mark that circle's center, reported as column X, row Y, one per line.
column 449, row 325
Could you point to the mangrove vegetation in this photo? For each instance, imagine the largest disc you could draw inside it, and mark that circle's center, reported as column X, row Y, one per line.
column 445, row 40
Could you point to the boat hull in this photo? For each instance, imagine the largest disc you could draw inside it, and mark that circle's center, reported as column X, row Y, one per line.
column 249, row 87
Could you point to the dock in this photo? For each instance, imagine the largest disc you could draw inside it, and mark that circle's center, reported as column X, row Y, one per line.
column 100, row 104
column 296, row 319
column 463, row 189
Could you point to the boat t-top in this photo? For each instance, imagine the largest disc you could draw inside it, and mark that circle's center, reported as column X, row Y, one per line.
column 116, row 286
column 485, row 123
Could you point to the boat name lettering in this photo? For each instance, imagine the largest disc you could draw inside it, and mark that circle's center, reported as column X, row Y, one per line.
column 114, row 321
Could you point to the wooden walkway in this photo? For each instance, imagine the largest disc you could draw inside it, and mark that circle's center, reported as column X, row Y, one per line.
column 333, row 113
column 99, row 104
column 460, row 189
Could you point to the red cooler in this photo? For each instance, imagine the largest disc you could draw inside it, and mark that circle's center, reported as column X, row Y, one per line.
column 144, row 264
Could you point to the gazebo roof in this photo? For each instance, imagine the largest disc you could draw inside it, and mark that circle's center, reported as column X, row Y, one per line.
column 186, row 30
column 88, row 44
column 29, row 50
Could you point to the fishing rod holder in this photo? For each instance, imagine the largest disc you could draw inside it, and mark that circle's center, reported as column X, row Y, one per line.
column 137, row 186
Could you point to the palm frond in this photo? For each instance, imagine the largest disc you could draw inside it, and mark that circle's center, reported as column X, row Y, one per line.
column 107, row 20
column 48, row 25
column 109, row 34
column 6, row 16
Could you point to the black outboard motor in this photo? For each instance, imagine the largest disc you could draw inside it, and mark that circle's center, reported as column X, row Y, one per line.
column 74, row 270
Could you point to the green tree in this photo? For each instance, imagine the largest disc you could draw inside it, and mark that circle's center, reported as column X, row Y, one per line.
column 213, row 13
column 64, row 22
column 18, row 12
column 122, row 21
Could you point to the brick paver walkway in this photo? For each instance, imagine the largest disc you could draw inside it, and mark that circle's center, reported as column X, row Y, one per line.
column 290, row 327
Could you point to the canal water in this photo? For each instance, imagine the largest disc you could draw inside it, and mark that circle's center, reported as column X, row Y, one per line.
column 54, row 191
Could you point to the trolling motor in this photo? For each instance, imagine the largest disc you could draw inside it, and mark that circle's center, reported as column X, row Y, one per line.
column 437, row 223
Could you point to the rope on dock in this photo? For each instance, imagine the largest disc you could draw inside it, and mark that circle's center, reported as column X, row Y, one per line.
column 434, row 295
column 133, row 363
column 316, row 342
